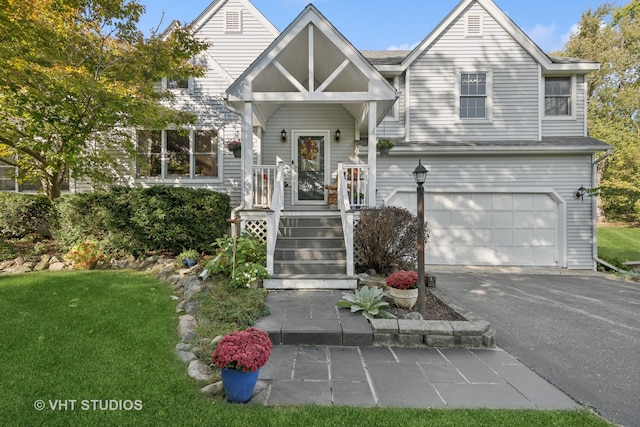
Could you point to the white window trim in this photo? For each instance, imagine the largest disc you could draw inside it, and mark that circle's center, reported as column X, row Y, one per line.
column 191, row 179
column 228, row 30
column 480, row 18
column 489, row 104
column 395, row 110
column 572, row 100
column 188, row 89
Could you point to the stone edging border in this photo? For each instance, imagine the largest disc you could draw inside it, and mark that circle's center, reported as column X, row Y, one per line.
column 472, row 333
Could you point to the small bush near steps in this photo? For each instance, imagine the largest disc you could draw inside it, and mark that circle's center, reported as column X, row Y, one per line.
column 386, row 238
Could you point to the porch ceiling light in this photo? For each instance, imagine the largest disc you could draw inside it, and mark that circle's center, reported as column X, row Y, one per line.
column 338, row 133
column 283, row 136
column 420, row 173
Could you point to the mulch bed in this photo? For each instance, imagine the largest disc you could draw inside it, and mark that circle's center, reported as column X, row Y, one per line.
column 434, row 309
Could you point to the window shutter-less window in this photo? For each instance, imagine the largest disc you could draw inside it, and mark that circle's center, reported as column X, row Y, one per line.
column 233, row 21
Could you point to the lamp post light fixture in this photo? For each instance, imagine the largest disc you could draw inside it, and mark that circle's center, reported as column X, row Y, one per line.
column 283, row 136
column 338, row 134
column 420, row 176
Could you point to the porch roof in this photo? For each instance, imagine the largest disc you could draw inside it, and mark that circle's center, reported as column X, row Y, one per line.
column 312, row 62
column 572, row 144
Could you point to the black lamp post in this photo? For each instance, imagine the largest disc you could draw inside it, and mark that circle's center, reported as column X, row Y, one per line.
column 420, row 175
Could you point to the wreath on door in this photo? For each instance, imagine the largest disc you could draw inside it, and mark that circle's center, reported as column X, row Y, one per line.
column 309, row 149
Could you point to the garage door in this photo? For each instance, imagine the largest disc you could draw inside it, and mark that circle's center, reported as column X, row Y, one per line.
column 510, row 229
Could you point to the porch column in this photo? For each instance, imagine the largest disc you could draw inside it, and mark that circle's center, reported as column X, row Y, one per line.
column 371, row 157
column 247, row 156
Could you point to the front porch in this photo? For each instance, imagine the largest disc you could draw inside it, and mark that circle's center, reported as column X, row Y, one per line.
column 308, row 246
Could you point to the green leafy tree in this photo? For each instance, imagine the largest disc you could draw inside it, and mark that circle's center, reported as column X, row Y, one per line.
column 611, row 36
column 76, row 76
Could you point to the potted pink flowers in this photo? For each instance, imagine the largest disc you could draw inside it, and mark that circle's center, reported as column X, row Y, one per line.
column 235, row 146
column 240, row 355
column 403, row 288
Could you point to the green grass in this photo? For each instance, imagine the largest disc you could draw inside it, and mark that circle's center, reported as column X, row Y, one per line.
column 618, row 244
column 107, row 335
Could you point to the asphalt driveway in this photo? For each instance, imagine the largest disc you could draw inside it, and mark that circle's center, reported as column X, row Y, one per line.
column 581, row 332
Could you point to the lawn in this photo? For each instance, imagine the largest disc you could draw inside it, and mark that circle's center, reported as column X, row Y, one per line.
column 96, row 348
column 618, row 244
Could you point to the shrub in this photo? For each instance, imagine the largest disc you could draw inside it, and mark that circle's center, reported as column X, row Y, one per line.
column 386, row 238
column 248, row 249
column 248, row 264
column 87, row 251
column 24, row 214
column 188, row 258
column 143, row 220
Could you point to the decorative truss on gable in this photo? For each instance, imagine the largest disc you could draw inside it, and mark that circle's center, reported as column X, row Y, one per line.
column 312, row 62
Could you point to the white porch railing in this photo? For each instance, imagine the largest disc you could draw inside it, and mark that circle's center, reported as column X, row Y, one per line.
column 264, row 183
column 357, row 180
column 344, row 205
column 273, row 216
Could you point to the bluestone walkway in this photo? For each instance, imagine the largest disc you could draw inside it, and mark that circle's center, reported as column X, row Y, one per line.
column 363, row 375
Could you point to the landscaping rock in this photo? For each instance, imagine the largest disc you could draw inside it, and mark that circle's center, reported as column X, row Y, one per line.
column 413, row 315
column 180, row 306
column 186, row 356
column 191, row 291
column 198, row 371
column 18, row 269
column 56, row 266
column 43, row 264
column 6, row 264
column 186, row 327
column 216, row 340
column 192, row 307
column 183, row 346
column 19, row 261
column 213, row 389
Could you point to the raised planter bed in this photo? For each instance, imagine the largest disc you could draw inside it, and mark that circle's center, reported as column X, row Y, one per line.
column 473, row 332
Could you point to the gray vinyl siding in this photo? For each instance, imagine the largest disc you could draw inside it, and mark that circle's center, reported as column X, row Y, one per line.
column 319, row 117
column 570, row 126
column 235, row 51
column 433, row 81
column 391, row 127
column 562, row 173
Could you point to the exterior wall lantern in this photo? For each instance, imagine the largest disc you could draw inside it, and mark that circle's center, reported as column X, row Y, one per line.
column 420, row 176
column 580, row 193
column 338, row 134
column 283, row 136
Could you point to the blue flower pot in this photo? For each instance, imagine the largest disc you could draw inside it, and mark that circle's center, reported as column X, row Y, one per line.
column 239, row 385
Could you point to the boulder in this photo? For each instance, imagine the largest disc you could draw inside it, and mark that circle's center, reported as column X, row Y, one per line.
column 213, row 389
column 186, row 327
column 199, row 371
column 56, row 266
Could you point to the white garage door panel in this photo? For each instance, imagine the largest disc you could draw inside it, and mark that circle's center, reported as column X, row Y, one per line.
column 489, row 229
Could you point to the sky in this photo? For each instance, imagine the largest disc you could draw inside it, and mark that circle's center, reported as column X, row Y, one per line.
column 393, row 24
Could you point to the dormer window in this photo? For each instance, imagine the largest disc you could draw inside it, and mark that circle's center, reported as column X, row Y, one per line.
column 233, row 21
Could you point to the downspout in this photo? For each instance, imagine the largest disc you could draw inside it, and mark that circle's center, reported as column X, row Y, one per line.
column 594, row 211
column 234, row 220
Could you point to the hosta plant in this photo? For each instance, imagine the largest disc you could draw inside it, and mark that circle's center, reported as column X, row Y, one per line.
column 368, row 300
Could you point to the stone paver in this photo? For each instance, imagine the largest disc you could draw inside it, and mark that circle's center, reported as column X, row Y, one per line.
column 404, row 377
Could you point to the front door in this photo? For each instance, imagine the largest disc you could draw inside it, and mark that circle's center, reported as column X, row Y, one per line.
column 311, row 162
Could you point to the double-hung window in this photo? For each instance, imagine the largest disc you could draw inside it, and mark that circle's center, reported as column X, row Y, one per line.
column 557, row 96
column 177, row 154
column 474, row 92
